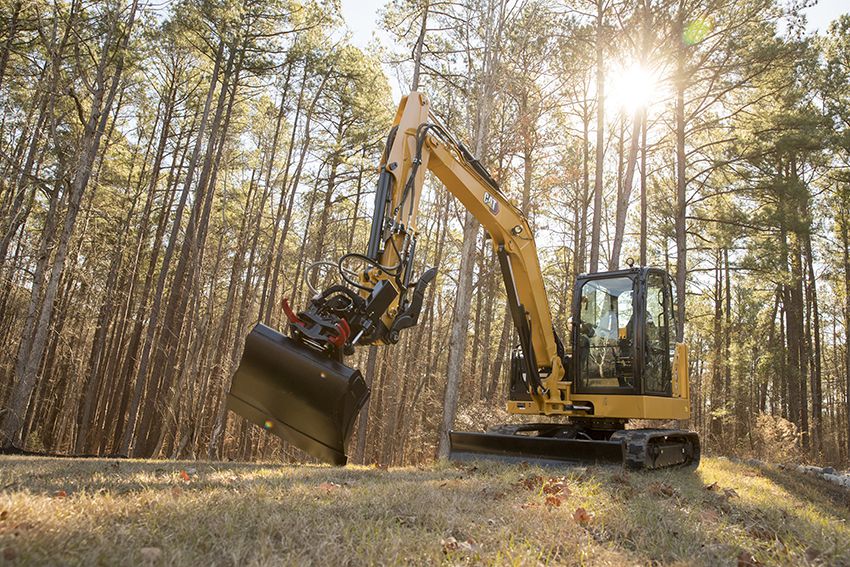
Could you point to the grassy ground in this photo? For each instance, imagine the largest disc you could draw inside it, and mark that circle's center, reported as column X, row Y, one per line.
column 66, row 511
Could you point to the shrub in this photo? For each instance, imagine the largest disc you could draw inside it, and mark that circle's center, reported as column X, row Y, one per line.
column 775, row 439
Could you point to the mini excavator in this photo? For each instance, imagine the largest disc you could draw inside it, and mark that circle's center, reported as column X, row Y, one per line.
column 621, row 361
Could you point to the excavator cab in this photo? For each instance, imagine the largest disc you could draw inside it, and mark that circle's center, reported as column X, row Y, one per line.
column 623, row 333
column 621, row 337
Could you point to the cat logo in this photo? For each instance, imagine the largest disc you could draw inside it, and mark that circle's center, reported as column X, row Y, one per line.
column 491, row 203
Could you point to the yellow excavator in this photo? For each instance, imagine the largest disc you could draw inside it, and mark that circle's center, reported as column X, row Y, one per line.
column 620, row 362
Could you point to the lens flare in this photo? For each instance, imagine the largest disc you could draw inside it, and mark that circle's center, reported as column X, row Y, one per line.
column 696, row 31
column 268, row 424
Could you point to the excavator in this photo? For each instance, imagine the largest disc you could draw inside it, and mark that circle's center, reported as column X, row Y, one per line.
column 621, row 361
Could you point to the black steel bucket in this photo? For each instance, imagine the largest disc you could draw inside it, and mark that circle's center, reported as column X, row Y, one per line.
column 297, row 394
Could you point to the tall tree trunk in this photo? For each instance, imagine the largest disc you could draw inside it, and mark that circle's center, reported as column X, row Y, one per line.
column 727, row 335
column 625, row 194
column 271, row 304
column 845, row 257
column 11, row 30
column 718, row 400
column 680, row 83
column 815, row 374
column 460, row 320
column 266, row 303
column 420, row 42
column 132, row 398
column 644, row 204
column 191, row 253
column 144, row 380
column 595, row 231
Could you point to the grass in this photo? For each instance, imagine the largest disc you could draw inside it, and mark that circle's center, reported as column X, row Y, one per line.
column 91, row 512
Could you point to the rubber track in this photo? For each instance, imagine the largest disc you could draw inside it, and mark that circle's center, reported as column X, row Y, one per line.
column 637, row 442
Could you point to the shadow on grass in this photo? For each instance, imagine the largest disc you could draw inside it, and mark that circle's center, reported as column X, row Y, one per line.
column 47, row 476
column 811, row 488
column 703, row 524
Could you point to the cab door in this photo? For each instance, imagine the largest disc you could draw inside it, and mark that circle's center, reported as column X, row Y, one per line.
column 658, row 346
column 604, row 337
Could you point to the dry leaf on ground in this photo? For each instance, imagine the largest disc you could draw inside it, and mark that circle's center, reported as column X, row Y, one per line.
column 529, row 483
column 662, row 489
column 558, row 486
column 582, row 516
column 449, row 544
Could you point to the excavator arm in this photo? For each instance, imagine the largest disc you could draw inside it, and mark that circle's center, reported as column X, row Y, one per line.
column 389, row 299
column 420, row 143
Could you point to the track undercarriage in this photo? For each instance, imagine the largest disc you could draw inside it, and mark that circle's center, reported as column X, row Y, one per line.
column 555, row 444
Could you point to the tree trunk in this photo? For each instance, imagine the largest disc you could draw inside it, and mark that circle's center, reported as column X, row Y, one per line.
column 417, row 49
column 681, row 181
column 625, row 194
column 718, row 400
column 595, row 233
column 845, row 257
column 11, row 29
column 495, row 20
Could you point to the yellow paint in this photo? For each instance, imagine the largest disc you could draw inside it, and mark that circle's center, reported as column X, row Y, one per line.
column 612, row 406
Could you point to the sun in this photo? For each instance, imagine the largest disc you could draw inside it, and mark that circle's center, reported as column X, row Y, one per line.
column 632, row 87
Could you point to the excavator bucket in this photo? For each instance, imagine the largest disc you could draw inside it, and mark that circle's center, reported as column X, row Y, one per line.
column 297, row 394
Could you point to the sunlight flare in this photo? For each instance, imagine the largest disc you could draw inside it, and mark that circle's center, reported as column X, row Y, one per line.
column 633, row 86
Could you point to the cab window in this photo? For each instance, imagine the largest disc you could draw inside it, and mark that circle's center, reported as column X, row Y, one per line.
column 605, row 346
column 659, row 319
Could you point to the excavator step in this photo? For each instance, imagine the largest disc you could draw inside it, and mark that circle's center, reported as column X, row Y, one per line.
column 297, row 394
column 633, row 449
